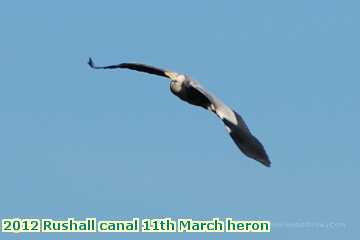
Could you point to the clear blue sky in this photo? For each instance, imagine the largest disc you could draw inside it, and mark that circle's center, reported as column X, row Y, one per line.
column 117, row 144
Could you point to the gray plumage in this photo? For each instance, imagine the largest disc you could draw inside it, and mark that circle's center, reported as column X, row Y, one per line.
column 192, row 92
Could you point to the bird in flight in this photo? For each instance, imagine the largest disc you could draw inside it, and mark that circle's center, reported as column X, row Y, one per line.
column 192, row 92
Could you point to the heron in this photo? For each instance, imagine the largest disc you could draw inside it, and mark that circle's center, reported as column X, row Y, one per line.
column 192, row 92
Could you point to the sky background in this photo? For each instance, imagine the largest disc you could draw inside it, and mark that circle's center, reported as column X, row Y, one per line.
column 117, row 144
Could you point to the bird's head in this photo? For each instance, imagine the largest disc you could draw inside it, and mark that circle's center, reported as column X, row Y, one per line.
column 175, row 76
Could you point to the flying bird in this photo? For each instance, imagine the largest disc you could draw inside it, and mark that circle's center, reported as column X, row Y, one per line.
column 192, row 92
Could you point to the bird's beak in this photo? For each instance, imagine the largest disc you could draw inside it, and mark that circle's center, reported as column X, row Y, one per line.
column 171, row 75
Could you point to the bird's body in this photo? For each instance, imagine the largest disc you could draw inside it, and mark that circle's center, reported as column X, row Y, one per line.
column 184, row 89
column 192, row 92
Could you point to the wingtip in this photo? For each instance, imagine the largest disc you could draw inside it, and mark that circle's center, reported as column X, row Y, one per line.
column 265, row 161
column 90, row 62
column 267, row 164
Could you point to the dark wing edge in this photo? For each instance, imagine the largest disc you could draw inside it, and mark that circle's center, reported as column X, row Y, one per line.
column 132, row 66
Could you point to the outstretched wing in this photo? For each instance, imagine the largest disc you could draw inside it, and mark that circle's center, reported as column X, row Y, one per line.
column 132, row 66
column 236, row 127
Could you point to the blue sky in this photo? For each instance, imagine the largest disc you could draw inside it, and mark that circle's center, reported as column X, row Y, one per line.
column 117, row 144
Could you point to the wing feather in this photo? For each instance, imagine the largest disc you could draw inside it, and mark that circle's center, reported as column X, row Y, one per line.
column 236, row 126
column 132, row 66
